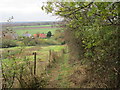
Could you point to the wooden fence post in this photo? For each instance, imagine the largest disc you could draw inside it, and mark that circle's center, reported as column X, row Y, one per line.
column 34, row 63
column 49, row 56
column 63, row 51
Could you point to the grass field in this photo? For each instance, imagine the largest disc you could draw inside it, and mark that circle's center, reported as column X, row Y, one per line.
column 16, row 59
column 33, row 26
column 42, row 52
column 34, row 31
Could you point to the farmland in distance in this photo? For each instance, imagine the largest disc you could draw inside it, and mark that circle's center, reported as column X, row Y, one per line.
column 34, row 29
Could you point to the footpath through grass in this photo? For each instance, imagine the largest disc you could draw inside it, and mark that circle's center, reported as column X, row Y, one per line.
column 59, row 73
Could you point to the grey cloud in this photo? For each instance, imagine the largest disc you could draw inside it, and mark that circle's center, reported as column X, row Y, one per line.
column 24, row 10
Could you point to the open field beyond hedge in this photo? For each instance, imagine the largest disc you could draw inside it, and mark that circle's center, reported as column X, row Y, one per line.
column 34, row 29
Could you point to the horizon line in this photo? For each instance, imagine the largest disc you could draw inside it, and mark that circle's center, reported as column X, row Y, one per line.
column 31, row 21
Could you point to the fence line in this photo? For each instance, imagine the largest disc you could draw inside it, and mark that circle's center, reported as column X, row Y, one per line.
column 52, row 56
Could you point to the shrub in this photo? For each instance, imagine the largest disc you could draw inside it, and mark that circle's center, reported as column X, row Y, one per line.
column 31, row 42
column 20, row 38
column 26, row 41
column 49, row 34
column 37, row 41
column 51, row 42
column 62, row 43
column 6, row 43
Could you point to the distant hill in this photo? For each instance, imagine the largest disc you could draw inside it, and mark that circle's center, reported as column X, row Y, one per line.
column 31, row 23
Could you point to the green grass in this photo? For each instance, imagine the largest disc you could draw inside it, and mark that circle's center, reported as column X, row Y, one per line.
column 32, row 26
column 64, row 69
column 54, row 47
column 34, row 31
column 60, row 71
column 43, row 51
column 26, row 55
column 16, row 48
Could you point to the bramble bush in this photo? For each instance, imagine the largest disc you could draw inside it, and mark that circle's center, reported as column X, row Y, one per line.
column 19, row 71
column 6, row 43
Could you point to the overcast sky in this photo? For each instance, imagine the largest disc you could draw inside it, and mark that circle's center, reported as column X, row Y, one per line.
column 23, row 10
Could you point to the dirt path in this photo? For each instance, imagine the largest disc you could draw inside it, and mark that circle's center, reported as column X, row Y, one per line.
column 58, row 74
column 53, row 75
